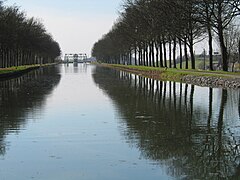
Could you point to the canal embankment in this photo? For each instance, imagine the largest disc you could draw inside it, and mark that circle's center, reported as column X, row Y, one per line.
column 16, row 71
column 216, row 79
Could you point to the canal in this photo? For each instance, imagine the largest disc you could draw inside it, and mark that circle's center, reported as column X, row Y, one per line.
column 88, row 122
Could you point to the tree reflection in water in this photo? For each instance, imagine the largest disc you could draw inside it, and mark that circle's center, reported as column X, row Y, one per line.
column 192, row 131
column 22, row 97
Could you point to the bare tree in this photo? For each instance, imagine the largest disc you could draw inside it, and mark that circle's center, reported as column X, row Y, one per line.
column 232, row 37
column 224, row 12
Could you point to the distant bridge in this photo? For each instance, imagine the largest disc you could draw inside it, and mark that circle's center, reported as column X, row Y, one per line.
column 75, row 58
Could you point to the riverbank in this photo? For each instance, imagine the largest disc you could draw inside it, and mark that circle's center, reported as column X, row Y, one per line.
column 16, row 71
column 216, row 79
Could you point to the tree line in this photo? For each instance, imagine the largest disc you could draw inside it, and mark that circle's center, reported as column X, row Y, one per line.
column 155, row 32
column 23, row 40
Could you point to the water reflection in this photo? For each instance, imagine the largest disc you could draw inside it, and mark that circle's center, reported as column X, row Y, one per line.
column 192, row 131
column 77, row 68
column 24, row 97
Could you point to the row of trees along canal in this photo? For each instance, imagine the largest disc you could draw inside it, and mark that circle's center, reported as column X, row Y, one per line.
column 150, row 30
column 23, row 40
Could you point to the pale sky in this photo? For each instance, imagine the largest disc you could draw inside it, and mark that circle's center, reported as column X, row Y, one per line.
column 75, row 24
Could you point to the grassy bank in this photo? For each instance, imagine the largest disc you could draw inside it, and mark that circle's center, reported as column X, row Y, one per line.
column 17, row 70
column 172, row 74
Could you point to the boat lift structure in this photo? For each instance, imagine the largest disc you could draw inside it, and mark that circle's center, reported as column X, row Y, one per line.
column 75, row 58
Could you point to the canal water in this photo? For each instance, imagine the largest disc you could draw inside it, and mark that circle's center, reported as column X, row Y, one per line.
column 72, row 122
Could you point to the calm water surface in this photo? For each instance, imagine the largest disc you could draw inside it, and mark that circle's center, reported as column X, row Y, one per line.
column 73, row 122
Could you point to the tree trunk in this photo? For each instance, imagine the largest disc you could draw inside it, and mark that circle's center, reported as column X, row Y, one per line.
column 223, row 51
column 192, row 56
column 221, row 37
column 153, row 56
column 146, row 55
column 143, row 59
column 130, row 57
column 1, row 59
column 135, row 55
column 210, row 48
column 170, row 54
column 192, row 52
column 165, row 53
column 180, row 51
column 174, row 53
column 157, row 54
column 161, row 54
column 139, row 56
column 150, row 53
column 185, row 51
column 233, row 64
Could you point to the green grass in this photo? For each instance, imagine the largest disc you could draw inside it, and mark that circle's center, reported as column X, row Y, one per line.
column 22, row 68
column 198, row 64
column 16, row 69
column 11, row 69
column 173, row 74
